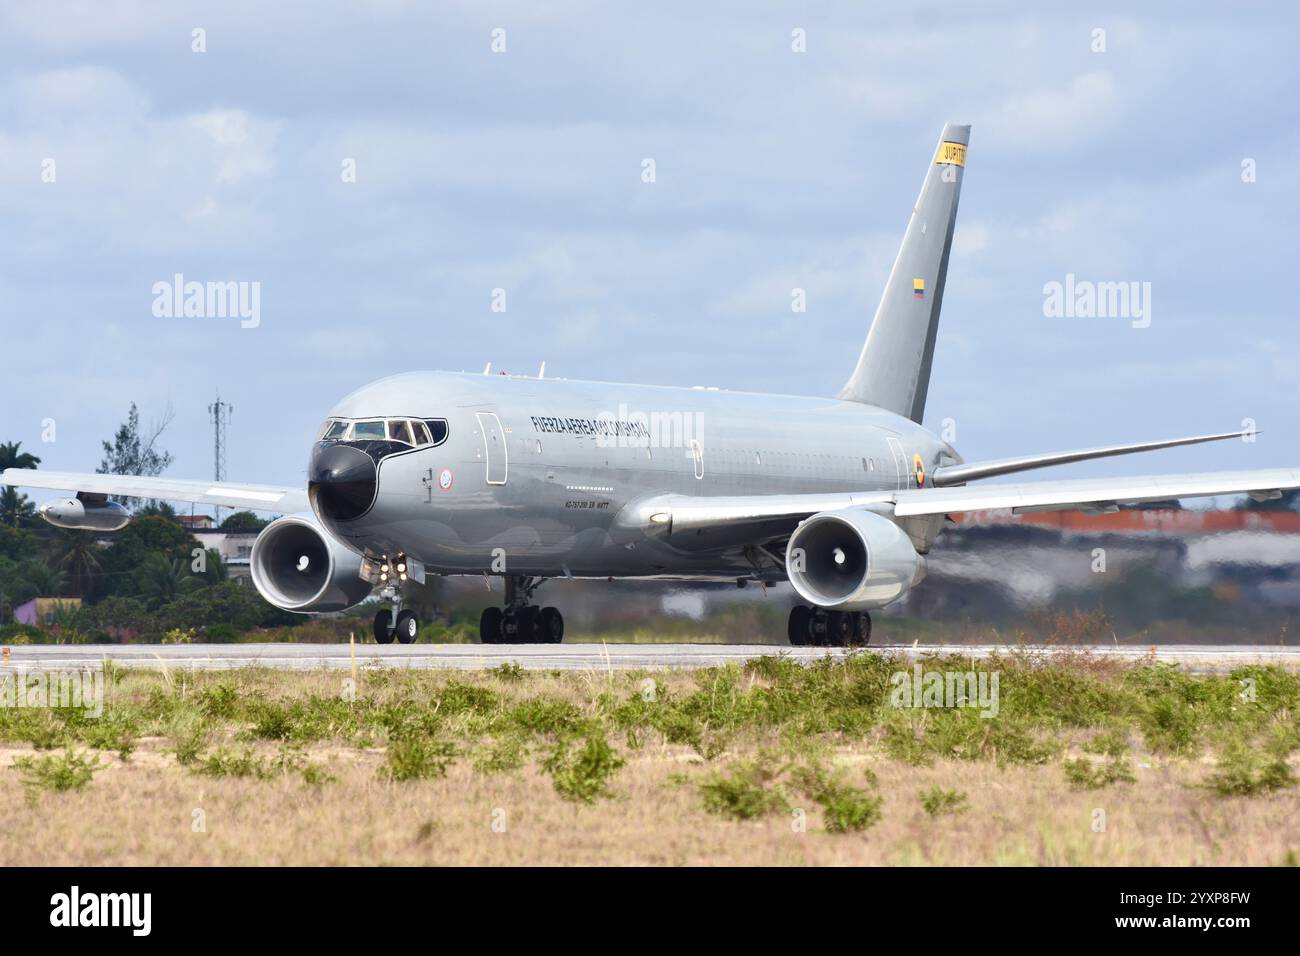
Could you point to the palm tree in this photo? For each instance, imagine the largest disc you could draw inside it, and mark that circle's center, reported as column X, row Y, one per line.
column 76, row 553
column 15, row 509
column 44, row 580
column 11, row 457
column 161, row 581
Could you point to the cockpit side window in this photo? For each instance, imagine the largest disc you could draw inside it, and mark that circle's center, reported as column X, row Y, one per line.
column 334, row 431
column 421, row 432
column 438, row 429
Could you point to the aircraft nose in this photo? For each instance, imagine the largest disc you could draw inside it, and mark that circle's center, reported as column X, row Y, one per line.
column 341, row 481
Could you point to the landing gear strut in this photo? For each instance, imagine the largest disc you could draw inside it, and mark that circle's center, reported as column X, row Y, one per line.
column 521, row 622
column 392, row 622
column 817, row 627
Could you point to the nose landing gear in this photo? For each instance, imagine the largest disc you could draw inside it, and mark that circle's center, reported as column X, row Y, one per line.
column 394, row 623
column 406, row 627
column 521, row 622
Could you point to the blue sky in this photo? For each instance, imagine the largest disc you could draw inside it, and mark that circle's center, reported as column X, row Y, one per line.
column 522, row 170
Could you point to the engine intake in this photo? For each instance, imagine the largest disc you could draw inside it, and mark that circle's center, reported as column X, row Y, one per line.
column 851, row 561
column 297, row 566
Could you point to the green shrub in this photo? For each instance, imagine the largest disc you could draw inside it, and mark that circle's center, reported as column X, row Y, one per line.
column 70, row 770
column 747, row 790
column 417, row 758
column 583, row 773
column 937, row 801
column 1244, row 771
column 1083, row 774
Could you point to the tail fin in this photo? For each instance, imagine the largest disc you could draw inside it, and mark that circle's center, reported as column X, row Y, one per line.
column 893, row 370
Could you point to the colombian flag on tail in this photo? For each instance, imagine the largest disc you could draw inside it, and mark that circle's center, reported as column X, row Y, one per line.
column 918, row 288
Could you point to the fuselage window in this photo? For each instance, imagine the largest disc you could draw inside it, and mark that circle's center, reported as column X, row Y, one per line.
column 437, row 428
column 400, row 430
column 368, row 431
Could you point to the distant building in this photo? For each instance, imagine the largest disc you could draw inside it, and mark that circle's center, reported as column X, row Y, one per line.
column 196, row 522
column 43, row 611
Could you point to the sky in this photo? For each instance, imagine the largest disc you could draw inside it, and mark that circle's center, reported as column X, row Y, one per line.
column 1151, row 143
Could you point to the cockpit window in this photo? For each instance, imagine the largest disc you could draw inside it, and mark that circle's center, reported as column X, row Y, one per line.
column 368, row 431
column 400, row 430
column 414, row 432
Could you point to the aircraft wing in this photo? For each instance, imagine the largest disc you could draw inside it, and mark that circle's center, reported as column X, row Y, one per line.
column 225, row 493
column 700, row 522
column 1093, row 494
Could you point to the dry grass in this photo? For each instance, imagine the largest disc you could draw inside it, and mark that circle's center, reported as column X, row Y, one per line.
column 321, row 787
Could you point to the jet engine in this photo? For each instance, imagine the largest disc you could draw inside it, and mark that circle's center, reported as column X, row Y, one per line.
column 851, row 561
column 298, row 566
column 85, row 513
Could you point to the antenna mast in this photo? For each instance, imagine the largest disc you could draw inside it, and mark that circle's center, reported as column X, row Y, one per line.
column 220, row 412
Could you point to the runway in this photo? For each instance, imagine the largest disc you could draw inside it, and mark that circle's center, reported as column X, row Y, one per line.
column 579, row 657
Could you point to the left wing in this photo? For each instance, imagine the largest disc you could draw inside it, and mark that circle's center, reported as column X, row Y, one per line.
column 1093, row 494
column 700, row 522
column 224, row 493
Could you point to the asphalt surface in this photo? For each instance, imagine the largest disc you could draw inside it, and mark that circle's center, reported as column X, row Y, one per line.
column 572, row 657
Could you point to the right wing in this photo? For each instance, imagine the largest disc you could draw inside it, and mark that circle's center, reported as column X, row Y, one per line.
column 224, row 493
column 698, row 523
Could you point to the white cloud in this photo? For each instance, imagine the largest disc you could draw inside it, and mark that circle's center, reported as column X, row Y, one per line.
column 1054, row 120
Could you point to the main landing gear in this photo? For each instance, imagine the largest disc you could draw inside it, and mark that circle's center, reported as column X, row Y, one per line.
column 817, row 627
column 521, row 622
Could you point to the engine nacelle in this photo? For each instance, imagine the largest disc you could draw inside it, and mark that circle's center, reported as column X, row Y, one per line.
column 85, row 513
column 298, row 566
column 851, row 561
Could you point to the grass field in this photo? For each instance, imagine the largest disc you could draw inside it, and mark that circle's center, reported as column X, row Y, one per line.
column 1085, row 762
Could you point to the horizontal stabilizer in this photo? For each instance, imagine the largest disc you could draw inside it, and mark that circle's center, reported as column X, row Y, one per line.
column 974, row 470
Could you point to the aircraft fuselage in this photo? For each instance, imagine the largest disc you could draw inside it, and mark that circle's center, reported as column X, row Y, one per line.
column 536, row 472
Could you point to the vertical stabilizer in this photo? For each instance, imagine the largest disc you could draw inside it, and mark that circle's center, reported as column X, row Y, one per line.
column 893, row 370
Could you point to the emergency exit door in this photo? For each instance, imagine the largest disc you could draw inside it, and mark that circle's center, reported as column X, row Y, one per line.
column 495, row 455
column 900, row 462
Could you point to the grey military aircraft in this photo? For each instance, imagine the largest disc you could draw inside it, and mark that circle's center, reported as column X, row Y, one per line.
column 530, row 478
